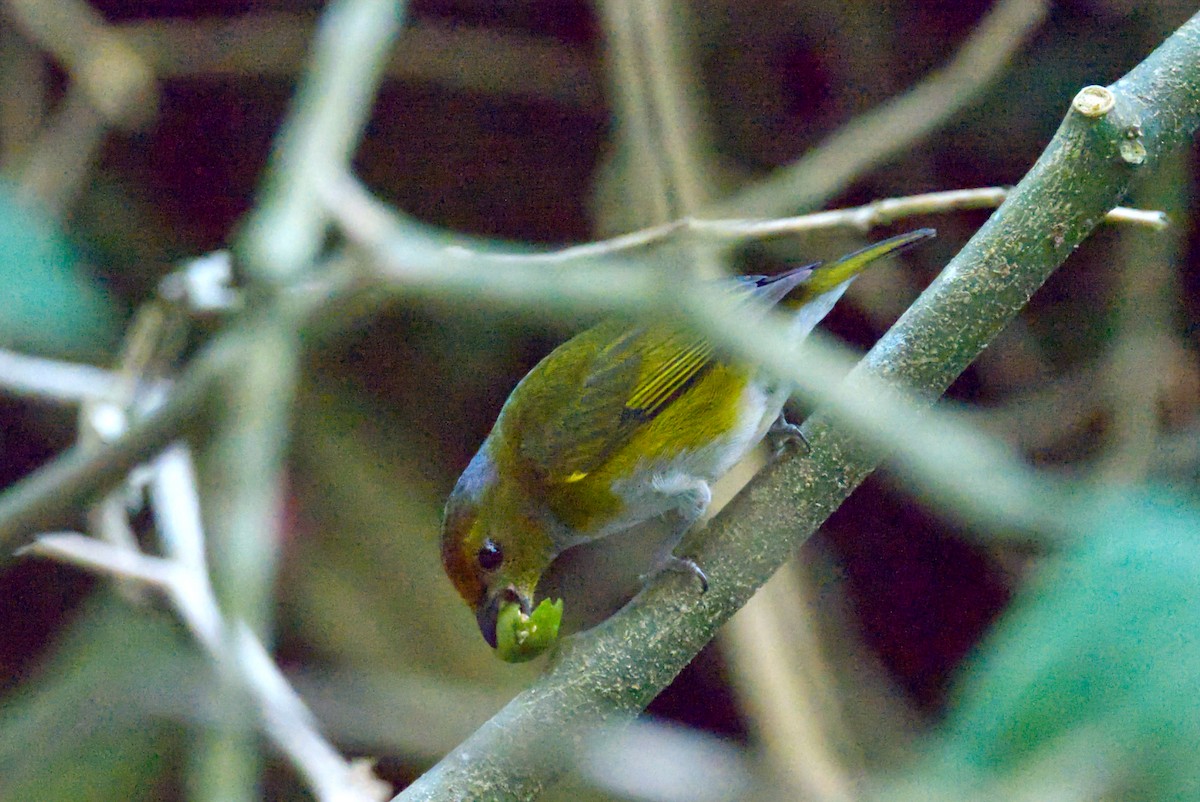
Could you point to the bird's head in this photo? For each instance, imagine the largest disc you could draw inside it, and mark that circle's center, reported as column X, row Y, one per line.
column 495, row 548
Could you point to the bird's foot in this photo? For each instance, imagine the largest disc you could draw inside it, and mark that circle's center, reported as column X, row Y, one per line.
column 784, row 433
column 681, row 565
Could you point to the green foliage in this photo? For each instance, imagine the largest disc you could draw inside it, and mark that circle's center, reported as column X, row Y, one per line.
column 1096, row 665
column 51, row 305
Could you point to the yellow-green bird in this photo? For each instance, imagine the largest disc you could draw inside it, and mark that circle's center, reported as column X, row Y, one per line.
column 622, row 423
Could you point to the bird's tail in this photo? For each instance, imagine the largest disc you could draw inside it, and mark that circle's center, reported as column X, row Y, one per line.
column 813, row 299
column 827, row 277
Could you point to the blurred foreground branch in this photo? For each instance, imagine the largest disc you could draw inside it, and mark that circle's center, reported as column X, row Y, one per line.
column 610, row 673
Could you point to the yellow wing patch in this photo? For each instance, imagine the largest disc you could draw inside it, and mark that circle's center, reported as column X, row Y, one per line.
column 656, row 389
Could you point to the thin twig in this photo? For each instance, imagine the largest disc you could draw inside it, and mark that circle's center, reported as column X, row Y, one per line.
column 661, row 105
column 283, row 716
column 52, row 380
column 287, row 229
column 414, row 269
column 676, row 100
column 97, row 556
column 657, row 172
column 183, row 577
column 889, row 210
column 177, row 509
column 43, row 499
column 635, row 134
column 367, row 221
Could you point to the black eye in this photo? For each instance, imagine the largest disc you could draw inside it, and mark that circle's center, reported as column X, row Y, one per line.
column 490, row 555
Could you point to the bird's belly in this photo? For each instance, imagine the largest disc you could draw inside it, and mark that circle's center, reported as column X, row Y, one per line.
column 654, row 485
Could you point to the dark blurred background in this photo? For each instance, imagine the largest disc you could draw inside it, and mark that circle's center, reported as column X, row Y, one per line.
column 497, row 119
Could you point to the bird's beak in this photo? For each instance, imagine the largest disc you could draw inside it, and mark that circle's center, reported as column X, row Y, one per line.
column 489, row 609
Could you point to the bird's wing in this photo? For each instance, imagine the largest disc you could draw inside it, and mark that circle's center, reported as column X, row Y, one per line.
column 595, row 394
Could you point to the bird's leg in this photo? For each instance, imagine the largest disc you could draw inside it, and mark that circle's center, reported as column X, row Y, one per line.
column 692, row 496
column 784, row 433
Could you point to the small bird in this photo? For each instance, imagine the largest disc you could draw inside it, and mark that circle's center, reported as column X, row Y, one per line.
column 622, row 423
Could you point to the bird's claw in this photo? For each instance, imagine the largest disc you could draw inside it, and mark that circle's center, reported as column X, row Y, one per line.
column 683, row 565
column 784, row 433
